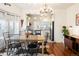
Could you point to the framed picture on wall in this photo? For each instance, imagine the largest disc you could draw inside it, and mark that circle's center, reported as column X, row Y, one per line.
column 77, row 19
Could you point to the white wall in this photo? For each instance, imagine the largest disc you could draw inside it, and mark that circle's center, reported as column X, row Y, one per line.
column 71, row 18
column 60, row 20
column 65, row 17
column 71, row 15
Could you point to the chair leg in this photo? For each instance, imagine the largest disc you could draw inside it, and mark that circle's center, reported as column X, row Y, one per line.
column 7, row 51
column 36, row 52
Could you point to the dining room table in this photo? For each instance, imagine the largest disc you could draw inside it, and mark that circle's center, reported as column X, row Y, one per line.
column 32, row 38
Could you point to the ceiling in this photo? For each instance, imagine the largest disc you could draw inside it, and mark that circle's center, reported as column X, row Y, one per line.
column 39, row 5
column 30, row 7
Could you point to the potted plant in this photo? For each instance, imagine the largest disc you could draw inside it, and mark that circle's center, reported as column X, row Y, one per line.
column 65, row 31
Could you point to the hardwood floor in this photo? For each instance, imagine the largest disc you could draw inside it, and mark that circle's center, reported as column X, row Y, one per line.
column 58, row 49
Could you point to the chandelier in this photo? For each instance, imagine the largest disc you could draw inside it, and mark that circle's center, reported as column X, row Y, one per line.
column 46, row 11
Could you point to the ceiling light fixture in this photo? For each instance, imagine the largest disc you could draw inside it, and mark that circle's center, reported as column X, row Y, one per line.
column 46, row 10
column 8, row 4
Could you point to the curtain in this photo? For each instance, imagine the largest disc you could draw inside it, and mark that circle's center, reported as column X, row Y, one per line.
column 3, row 28
column 8, row 23
column 3, row 23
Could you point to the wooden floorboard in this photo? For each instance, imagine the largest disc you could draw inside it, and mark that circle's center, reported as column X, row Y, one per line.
column 58, row 49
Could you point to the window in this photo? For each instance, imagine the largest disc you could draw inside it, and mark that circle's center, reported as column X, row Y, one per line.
column 3, row 24
column 9, row 23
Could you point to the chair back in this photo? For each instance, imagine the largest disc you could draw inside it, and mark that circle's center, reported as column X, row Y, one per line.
column 6, row 37
column 10, row 38
column 33, row 44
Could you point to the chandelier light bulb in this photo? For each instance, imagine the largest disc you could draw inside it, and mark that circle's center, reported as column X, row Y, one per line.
column 46, row 10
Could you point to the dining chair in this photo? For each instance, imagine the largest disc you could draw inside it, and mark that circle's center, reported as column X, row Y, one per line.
column 33, row 48
column 10, row 43
column 45, row 43
column 38, row 32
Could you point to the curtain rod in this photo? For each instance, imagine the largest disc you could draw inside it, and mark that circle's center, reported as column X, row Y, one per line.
column 9, row 13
